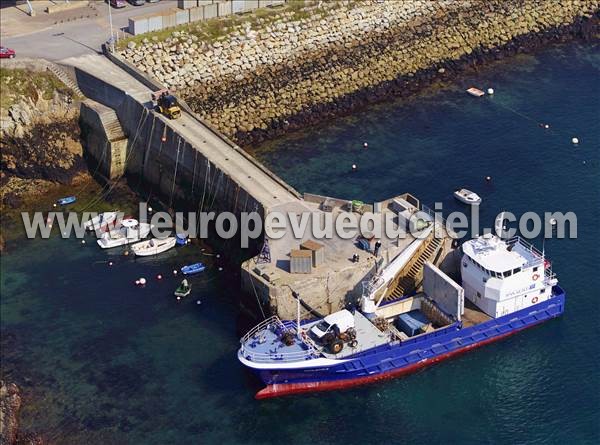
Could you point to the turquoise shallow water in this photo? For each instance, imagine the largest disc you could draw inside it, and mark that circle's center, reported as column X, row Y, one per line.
column 101, row 361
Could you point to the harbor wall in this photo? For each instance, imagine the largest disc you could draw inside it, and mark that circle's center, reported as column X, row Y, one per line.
column 156, row 154
column 329, row 58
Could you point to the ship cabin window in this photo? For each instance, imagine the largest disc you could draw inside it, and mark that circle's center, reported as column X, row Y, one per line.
column 542, row 290
column 508, row 273
column 517, row 270
column 535, row 269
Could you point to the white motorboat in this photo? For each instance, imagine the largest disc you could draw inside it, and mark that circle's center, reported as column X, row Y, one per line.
column 101, row 221
column 130, row 231
column 153, row 246
column 468, row 197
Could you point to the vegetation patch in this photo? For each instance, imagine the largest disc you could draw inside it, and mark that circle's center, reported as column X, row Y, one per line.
column 16, row 84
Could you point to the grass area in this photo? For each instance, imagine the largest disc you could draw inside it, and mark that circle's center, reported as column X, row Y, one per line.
column 214, row 29
column 18, row 83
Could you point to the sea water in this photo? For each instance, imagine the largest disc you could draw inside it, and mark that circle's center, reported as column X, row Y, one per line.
column 101, row 361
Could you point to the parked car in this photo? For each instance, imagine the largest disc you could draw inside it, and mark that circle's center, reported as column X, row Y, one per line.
column 7, row 53
column 118, row 3
column 137, row 2
column 152, row 1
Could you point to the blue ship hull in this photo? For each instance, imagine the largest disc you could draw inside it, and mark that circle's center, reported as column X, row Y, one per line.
column 392, row 360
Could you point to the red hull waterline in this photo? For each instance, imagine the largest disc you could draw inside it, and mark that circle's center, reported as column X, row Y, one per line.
column 285, row 389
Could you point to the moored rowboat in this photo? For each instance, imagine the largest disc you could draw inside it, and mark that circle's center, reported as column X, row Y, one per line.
column 193, row 268
column 67, row 200
column 153, row 246
column 100, row 221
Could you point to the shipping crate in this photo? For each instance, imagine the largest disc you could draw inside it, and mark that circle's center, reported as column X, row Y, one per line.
column 317, row 250
column 300, row 261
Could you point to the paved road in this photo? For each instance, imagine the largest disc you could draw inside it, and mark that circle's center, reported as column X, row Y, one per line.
column 43, row 39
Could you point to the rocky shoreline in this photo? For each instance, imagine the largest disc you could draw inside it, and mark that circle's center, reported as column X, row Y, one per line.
column 40, row 147
column 10, row 408
column 303, row 66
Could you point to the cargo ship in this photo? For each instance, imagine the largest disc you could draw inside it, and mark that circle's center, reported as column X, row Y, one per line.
column 505, row 286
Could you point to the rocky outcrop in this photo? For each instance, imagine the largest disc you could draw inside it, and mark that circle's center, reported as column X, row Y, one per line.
column 39, row 139
column 328, row 59
column 10, row 405
column 23, row 115
column 50, row 151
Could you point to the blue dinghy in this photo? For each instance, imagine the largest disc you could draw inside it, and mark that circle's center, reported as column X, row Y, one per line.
column 193, row 268
column 67, row 200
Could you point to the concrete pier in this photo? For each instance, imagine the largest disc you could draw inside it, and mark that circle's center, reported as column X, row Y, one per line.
column 185, row 158
column 186, row 161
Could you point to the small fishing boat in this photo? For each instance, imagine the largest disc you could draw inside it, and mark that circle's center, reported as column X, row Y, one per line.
column 100, row 221
column 193, row 268
column 475, row 92
column 467, row 197
column 153, row 246
column 130, row 231
column 67, row 200
column 183, row 290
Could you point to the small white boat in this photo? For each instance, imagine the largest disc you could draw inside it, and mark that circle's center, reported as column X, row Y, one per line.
column 153, row 246
column 100, row 221
column 475, row 92
column 129, row 232
column 468, row 197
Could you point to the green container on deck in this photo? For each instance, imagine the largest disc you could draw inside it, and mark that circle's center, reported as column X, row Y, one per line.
column 357, row 205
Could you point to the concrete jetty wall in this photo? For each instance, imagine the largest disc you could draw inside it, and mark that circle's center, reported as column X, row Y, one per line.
column 302, row 65
column 186, row 163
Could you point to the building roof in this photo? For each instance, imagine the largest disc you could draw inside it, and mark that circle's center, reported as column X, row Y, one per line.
column 493, row 254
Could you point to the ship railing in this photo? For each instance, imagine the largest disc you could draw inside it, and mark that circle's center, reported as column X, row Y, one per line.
column 373, row 285
column 266, row 323
column 538, row 254
column 270, row 356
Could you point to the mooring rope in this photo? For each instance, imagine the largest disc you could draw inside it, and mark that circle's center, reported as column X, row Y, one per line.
column 175, row 173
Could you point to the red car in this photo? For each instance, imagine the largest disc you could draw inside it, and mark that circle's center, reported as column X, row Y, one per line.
column 7, row 53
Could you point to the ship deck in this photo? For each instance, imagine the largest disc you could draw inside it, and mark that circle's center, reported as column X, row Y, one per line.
column 367, row 335
column 473, row 315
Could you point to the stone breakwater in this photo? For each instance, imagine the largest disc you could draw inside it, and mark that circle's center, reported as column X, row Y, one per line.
column 257, row 82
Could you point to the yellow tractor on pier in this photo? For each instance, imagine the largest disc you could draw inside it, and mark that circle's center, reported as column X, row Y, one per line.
column 166, row 104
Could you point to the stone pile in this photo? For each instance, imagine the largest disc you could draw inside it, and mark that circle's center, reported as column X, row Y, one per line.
column 253, row 83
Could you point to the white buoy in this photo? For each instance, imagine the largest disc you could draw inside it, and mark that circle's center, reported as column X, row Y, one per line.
column 490, row 91
column 553, row 221
column 365, row 145
column 54, row 205
column 159, row 277
column 82, row 241
column 142, row 281
column 198, row 301
column 488, row 178
column 220, row 269
column 150, row 209
column 575, row 140
column 174, row 272
column 179, row 298
column 137, row 282
column 353, row 167
column 110, row 263
column 218, row 255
